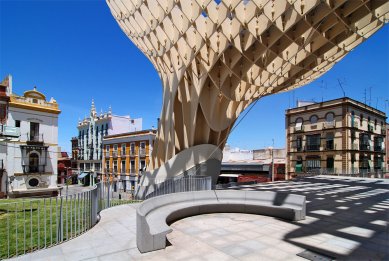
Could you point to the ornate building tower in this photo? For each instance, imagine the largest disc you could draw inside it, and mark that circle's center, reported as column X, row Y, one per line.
column 215, row 57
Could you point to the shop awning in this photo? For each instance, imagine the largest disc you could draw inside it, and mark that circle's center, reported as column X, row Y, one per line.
column 230, row 175
column 82, row 175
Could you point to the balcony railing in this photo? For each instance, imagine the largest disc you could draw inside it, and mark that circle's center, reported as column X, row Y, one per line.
column 365, row 147
column 9, row 131
column 330, row 146
column 378, row 149
column 142, row 152
column 35, row 137
column 299, row 128
column 107, row 154
column 314, row 147
column 132, row 153
column 115, row 154
column 123, row 153
column 329, row 124
column 33, row 169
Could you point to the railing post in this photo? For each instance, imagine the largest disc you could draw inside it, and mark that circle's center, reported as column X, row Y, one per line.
column 95, row 204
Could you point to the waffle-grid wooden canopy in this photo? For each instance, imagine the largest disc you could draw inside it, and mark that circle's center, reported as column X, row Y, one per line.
column 215, row 57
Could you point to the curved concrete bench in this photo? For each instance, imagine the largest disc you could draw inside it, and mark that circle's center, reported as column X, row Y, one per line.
column 154, row 215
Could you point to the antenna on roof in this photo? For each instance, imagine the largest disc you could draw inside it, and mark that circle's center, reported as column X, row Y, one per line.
column 341, row 86
column 323, row 87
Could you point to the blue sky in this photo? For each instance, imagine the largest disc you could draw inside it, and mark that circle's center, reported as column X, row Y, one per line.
column 75, row 51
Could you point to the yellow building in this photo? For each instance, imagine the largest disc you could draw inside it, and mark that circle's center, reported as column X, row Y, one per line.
column 126, row 154
column 340, row 136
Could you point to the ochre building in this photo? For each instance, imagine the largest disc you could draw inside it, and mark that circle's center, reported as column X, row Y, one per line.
column 341, row 136
column 127, row 154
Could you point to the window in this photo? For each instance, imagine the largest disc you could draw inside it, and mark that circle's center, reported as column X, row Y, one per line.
column 132, row 148
column 313, row 142
column 34, row 131
column 115, row 166
column 123, row 167
column 107, row 151
column 364, row 163
column 107, row 166
column 132, row 166
column 313, row 163
column 33, row 165
column 313, row 119
column 34, row 101
column 364, row 141
column 378, row 144
column 330, row 163
column 361, row 120
column 353, row 119
column 330, row 117
column 142, row 165
column 299, row 124
column 330, row 141
column 115, row 150
column 299, row 164
column 299, row 143
column 142, row 149
column 123, row 149
column 378, row 162
column 17, row 124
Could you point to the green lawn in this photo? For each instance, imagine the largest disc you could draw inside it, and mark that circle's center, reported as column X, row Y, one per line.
column 30, row 224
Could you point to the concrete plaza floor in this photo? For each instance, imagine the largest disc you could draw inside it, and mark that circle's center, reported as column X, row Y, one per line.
column 347, row 219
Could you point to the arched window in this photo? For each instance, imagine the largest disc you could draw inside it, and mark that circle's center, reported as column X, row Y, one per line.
column 313, row 119
column 33, row 161
column 330, row 117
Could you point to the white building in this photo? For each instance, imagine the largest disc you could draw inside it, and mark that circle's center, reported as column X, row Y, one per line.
column 91, row 131
column 29, row 142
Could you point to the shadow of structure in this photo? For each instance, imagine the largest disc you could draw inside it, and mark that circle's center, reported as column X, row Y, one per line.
column 347, row 218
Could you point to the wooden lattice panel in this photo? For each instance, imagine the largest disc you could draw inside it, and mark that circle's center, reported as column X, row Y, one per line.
column 216, row 57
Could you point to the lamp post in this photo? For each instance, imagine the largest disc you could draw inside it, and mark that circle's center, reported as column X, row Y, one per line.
column 272, row 162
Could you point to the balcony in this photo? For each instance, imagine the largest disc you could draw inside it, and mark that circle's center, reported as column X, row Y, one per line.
column 142, row 152
column 35, row 138
column 315, row 147
column 330, row 146
column 299, row 128
column 329, row 124
column 370, row 128
column 132, row 153
column 123, row 153
column 115, row 154
column 32, row 169
column 364, row 147
column 378, row 149
column 8, row 131
column 107, row 154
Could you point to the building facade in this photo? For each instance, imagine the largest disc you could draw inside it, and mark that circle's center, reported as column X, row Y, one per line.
column 127, row 154
column 64, row 168
column 29, row 143
column 91, row 131
column 337, row 136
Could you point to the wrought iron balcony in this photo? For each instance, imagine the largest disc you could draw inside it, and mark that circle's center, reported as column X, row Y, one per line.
column 378, row 149
column 142, row 152
column 35, row 138
column 314, row 147
column 29, row 169
column 298, row 128
column 115, row 154
column 132, row 153
column 365, row 147
column 8, row 131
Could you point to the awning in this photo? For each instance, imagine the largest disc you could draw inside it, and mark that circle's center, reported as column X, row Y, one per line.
column 82, row 175
column 230, row 175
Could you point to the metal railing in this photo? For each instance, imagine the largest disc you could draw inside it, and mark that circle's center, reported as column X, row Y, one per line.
column 34, row 168
column 27, row 225
column 329, row 124
column 158, row 187
column 313, row 147
column 353, row 172
column 35, row 137
column 142, row 152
